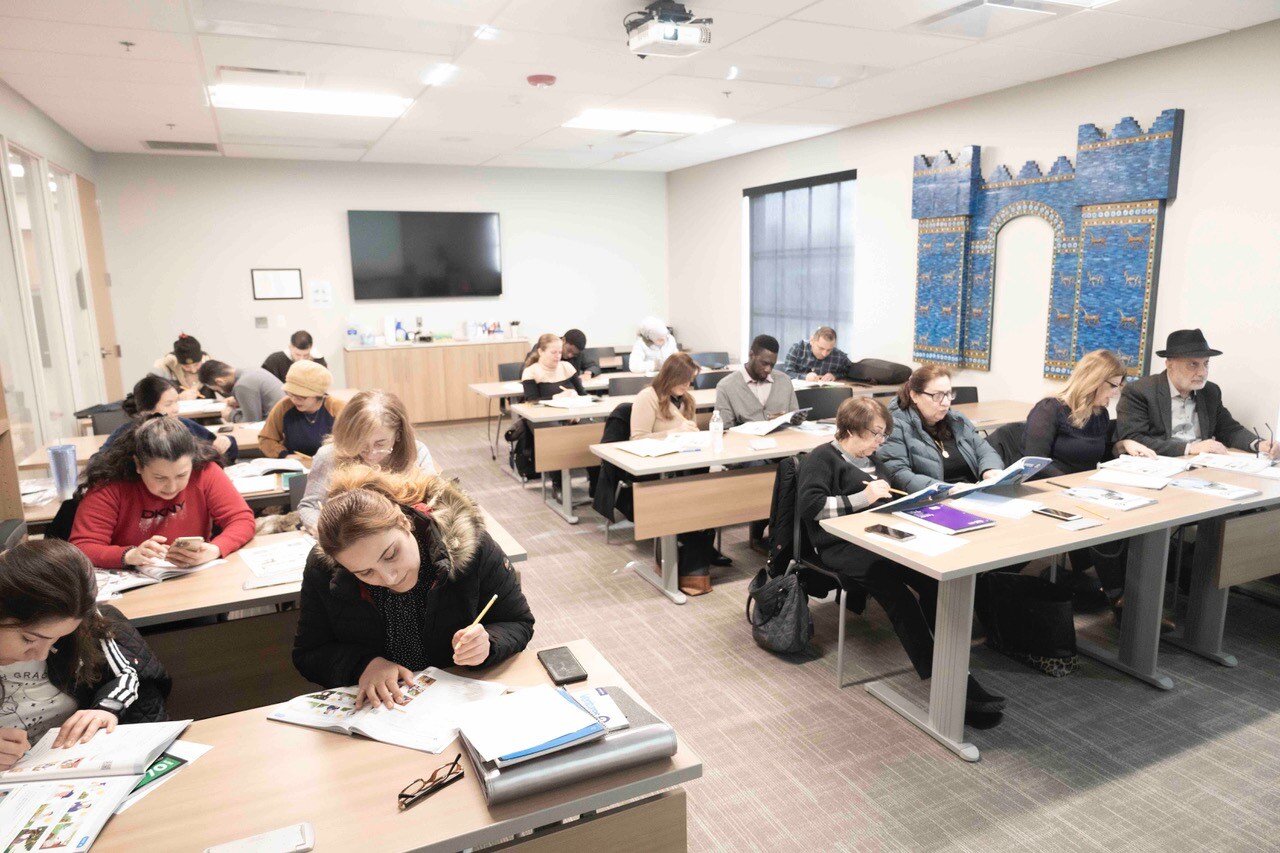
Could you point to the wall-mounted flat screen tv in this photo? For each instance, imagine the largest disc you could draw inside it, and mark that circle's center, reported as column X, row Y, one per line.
column 412, row 255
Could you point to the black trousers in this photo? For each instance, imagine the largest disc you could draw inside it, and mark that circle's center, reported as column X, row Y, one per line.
column 909, row 598
column 1109, row 561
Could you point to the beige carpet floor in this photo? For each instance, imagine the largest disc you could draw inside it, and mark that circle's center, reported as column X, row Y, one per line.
column 1095, row 761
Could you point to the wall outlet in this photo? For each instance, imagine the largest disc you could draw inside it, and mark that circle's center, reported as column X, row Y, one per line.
column 260, row 323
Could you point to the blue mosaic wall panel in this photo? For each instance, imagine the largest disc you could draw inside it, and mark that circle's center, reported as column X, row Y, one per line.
column 1106, row 215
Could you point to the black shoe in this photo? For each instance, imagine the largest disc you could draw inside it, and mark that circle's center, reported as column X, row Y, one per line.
column 721, row 560
column 979, row 720
column 979, row 700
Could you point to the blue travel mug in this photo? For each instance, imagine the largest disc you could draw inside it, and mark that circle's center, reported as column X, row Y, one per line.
column 62, row 462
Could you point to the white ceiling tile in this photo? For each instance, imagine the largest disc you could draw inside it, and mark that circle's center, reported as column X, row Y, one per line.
column 696, row 94
column 900, row 91
column 1105, row 34
column 283, row 126
column 57, row 37
column 112, row 124
column 873, row 14
column 769, row 8
column 1007, row 63
column 571, row 76
column 55, row 66
column 831, row 119
column 168, row 15
column 293, row 152
column 611, row 141
column 36, row 88
column 471, row 12
column 662, row 159
column 729, row 65
column 540, row 159
column 325, row 65
column 826, row 43
column 1232, row 14
column 477, row 111
column 408, row 148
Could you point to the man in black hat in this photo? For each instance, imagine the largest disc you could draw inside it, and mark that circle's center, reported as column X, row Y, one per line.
column 1180, row 411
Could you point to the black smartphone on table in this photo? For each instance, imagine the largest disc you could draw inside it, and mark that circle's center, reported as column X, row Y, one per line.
column 890, row 532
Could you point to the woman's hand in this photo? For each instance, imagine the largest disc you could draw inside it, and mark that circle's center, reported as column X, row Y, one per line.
column 380, row 684
column 471, row 646
column 202, row 553
column 1136, row 448
column 567, row 392
column 13, row 745
column 877, row 490
column 991, row 474
column 222, row 443
column 148, row 552
column 82, row 726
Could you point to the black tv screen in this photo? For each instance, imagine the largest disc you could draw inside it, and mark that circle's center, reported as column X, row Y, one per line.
column 411, row 255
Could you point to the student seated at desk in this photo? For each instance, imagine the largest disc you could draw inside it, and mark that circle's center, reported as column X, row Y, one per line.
column 299, row 424
column 300, row 346
column 155, row 396
column 667, row 405
column 817, row 359
column 654, row 343
column 757, row 392
column 930, row 443
column 838, row 479
column 573, row 345
column 182, row 367
column 61, row 662
column 1075, row 430
column 403, row 569
column 373, row 429
column 1180, row 411
column 547, row 375
column 251, row 393
column 154, row 484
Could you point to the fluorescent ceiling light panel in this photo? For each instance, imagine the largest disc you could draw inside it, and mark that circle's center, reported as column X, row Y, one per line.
column 285, row 100
column 603, row 119
column 485, row 33
column 438, row 75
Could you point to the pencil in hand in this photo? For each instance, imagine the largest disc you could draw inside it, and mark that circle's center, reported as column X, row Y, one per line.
column 480, row 616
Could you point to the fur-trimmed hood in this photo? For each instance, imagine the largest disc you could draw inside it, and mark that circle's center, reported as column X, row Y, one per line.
column 453, row 522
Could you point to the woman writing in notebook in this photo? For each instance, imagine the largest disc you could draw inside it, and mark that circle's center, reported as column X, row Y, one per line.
column 61, row 662
column 403, row 568
column 667, row 405
column 153, row 395
column 838, row 479
column 546, row 376
column 372, row 429
column 154, row 485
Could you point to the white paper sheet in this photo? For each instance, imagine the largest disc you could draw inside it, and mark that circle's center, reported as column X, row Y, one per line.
column 288, row 557
column 1160, row 466
column 923, row 541
column 762, row 443
column 1081, row 524
column 252, row 485
column 1116, row 477
column 184, row 749
column 568, row 402
column 521, row 720
column 985, row 503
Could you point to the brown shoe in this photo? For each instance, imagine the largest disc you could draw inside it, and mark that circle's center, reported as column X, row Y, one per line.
column 695, row 584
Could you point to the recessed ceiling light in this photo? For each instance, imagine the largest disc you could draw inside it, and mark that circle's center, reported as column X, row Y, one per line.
column 438, row 75
column 602, row 119
column 733, row 73
column 486, row 33
column 287, row 100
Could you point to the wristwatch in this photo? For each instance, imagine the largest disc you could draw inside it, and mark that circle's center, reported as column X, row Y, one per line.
column 115, row 706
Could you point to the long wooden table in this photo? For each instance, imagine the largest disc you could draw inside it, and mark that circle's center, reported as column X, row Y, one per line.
column 87, row 445
column 992, row 414
column 1015, row 541
column 261, row 775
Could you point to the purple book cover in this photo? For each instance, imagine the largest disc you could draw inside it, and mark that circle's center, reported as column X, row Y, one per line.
column 948, row 517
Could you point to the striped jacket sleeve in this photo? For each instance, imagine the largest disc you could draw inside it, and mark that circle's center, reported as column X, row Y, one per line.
column 838, row 505
column 123, row 684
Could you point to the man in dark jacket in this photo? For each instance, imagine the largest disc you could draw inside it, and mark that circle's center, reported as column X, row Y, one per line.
column 300, row 344
column 573, row 345
column 1180, row 412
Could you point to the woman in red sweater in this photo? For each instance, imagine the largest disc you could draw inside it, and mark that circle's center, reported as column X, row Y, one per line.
column 152, row 485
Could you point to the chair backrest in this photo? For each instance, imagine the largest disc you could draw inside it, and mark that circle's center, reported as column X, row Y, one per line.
column 510, row 372
column 597, row 353
column 965, row 393
column 617, row 427
column 823, row 401
column 1007, row 441
column 621, row 386
column 105, row 423
column 297, row 488
column 710, row 359
column 709, row 379
column 12, row 531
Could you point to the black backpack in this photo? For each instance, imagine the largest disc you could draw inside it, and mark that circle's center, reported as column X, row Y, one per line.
column 875, row 371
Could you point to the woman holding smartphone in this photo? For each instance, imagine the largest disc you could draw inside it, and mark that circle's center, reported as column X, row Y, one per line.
column 840, row 478
column 158, row 494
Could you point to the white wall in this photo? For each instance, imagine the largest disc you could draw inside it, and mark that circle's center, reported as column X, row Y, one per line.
column 585, row 249
column 1220, row 267
column 25, row 126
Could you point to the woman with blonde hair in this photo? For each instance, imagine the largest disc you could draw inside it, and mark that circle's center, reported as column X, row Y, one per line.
column 373, row 429
column 546, row 375
column 403, row 568
column 1076, row 431
column 667, row 405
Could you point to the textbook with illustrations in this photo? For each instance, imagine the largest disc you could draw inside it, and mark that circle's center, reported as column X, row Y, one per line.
column 127, row 751
column 428, row 722
column 676, row 442
column 61, row 815
column 1019, row 472
column 1161, row 466
column 1110, row 498
column 253, row 485
column 280, row 562
column 1239, row 462
column 1217, row 490
column 765, row 427
column 119, row 580
column 113, row 582
column 264, row 466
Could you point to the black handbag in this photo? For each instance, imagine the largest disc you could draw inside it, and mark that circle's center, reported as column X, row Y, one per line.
column 780, row 621
column 1030, row 620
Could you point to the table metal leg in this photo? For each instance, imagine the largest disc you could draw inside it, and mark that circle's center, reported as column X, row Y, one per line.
column 944, row 718
column 668, row 583
column 564, row 507
column 1207, row 606
column 1143, row 612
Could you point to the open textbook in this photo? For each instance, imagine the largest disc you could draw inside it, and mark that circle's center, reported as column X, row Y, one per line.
column 1110, row 498
column 61, row 815
column 1019, row 472
column 427, row 722
column 127, row 751
column 1239, row 462
column 1161, row 466
column 766, row 427
column 1225, row 491
column 280, row 562
column 676, row 442
column 264, row 466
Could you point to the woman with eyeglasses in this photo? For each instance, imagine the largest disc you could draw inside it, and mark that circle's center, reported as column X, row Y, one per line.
column 372, row 429
column 839, row 478
column 930, row 443
column 298, row 425
column 1076, row 431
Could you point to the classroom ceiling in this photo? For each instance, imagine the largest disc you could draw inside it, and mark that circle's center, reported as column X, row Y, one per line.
column 116, row 73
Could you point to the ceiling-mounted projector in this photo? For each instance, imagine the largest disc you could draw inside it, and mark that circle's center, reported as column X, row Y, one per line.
column 666, row 28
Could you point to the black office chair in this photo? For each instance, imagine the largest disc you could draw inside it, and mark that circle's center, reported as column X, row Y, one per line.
column 105, row 423
column 508, row 372
column 1007, row 441
column 620, row 386
column 596, row 354
column 710, row 359
column 823, row 401
column 965, row 393
column 709, row 379
column 613, row 486
column 12, row 531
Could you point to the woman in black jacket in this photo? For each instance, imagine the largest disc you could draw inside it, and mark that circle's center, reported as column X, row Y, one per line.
column 60, row 662
column 403, row 567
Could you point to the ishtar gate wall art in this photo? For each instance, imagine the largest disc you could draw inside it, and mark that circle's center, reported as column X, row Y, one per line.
column 1106, row 213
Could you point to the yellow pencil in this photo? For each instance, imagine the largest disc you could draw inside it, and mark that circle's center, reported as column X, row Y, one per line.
column 482, row 613
column 1091, row 512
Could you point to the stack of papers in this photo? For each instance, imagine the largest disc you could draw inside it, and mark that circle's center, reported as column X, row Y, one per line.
column 568, row 402
column 278, row 563
column 527, row 724
column 1160, row 466
column 1217, row 490
column 253, row 485
column 253, row 426
column 1110, row 498
column 162, row 570
column 199, row 407
column 985, row 502
column 1239, row 462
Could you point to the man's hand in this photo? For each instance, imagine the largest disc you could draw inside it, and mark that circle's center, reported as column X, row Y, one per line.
column 1208, row 445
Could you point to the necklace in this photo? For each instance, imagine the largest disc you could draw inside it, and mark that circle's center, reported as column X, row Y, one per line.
column 313, row 417
column 941, row 449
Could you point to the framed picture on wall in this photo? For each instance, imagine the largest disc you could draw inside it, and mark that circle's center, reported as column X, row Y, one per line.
column 277, row 284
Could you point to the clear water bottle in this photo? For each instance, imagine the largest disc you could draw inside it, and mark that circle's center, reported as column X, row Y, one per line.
column 717, row 433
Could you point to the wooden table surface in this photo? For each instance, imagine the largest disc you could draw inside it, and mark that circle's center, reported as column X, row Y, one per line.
column 990, row 414
column 537, row 413
column 87, row 445
column 262, row 775
column 737, row 449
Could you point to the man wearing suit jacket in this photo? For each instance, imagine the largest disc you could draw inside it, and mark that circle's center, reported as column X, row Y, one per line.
column 1180, row 411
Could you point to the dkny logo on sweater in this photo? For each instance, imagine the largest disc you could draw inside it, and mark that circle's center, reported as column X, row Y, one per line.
column 150, row 514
